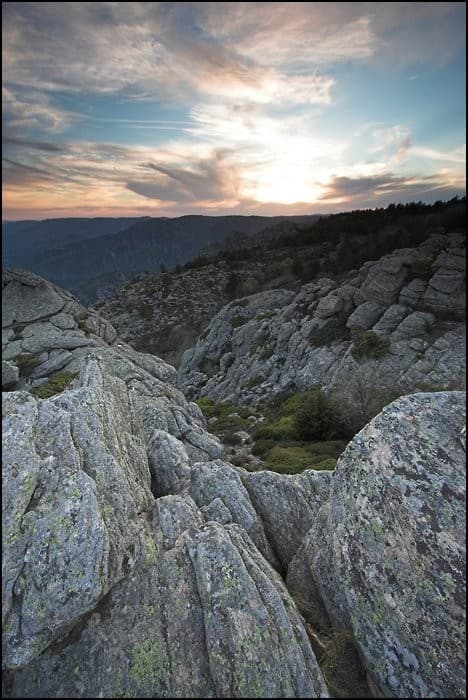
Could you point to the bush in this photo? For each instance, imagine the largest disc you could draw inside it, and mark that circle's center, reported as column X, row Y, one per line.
column 370, row 345
column 288, row 460
column 255, row 381
column 360, row 400
column 25, row 362
column 326, row 465
column 54, row 385
column 331, row 332
column 232, row 285
column 316, row 417
column 83, row 326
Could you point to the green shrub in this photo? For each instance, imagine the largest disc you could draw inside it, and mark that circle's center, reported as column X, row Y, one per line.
column 25, row 362
column 316, row 417
column 237, row 321
column 54, row 385
column 422, row 268
column 249, row 286
column 371, row 345
column 331, row 332
column 267, row 351
column 255, row 381
column 232, row 439
column 83, row 326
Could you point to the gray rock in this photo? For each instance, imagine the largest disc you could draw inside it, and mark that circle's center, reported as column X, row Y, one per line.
column 62, row 320
column 27, row 298
column 206, row 618
column 287, row 505
column 219, row 480
column 412, row 293
column 169, row 463
column 273, row 353
column 387, row 553
column 416, row 324
column 447, row 281
column 57, row 360
column 329, row 306
column 365, row 316
column 391, row 319
column 10, row 375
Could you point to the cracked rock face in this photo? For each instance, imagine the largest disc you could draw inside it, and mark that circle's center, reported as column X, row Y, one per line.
column 269, row 343
column 387, row 552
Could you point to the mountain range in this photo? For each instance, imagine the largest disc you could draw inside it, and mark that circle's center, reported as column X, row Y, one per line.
column 94, row 257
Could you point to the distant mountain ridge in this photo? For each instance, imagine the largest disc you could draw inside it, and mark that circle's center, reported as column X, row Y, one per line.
column 93, row 257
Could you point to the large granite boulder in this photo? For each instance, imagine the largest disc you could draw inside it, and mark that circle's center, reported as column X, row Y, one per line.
column 386, row 554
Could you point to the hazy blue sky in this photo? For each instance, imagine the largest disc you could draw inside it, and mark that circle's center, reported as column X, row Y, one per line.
column 163, row 109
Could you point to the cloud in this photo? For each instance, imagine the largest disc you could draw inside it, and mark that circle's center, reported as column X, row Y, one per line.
column 386, row 188
column 214, row 178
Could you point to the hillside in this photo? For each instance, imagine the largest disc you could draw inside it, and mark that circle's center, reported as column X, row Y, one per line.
column 94, row 257
column 165, row 313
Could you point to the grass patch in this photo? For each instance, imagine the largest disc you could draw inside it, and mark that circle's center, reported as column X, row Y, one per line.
column 369, row 344
column 281, row 428
column 54, row 385
column 26, row 362
column 294, row 459
column 331, row 332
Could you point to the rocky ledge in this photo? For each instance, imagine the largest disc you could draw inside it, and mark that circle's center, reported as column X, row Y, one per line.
column 137, row 563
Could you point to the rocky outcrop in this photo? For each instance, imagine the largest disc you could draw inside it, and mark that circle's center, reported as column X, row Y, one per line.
column 138, row 563
column 386, row 553
column 134, row 561
column 279, row 341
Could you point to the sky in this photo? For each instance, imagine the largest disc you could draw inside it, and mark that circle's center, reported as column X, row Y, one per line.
column 166, row 109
